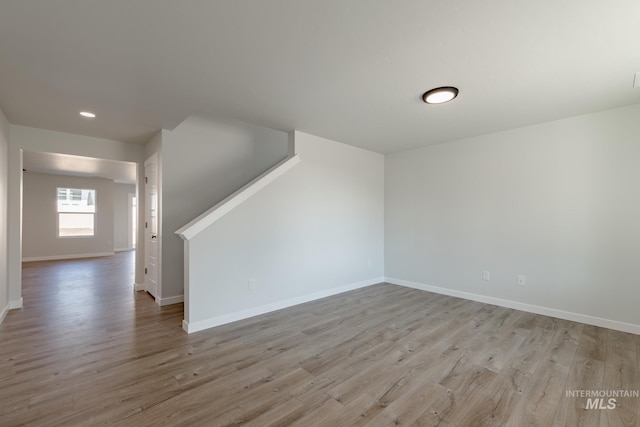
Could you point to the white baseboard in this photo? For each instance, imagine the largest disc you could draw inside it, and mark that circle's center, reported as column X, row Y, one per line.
column 15, row 304
column 122, row 249
column 170, row 300
column 11, row 306
column 60, row 257
column 256, row 311
column 545, row 311
column 138, row 286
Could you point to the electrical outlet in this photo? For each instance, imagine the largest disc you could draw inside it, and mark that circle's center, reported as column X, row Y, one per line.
column 522, row 280
column 486, row 275
column 252, row 284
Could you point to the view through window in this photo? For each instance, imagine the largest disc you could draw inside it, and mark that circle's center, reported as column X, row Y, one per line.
column 76, row 212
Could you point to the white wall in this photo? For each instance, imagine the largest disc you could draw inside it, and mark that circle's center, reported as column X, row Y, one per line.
column 40, row 219
column 4, row 175
column 202, row 162
column 557, row 202
column 121, row 215
column 315, row 230
column 32, row 139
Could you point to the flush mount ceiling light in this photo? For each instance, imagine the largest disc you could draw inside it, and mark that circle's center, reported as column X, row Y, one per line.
column 87, row 114
column 440, row 95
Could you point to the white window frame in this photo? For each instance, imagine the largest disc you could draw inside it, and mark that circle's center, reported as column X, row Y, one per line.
column 60, row 211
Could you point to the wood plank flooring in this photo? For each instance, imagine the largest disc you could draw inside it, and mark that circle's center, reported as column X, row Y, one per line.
column 88, row 350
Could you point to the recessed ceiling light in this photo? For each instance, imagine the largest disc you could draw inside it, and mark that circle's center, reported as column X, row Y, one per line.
column 87, row 114
column 440, row 95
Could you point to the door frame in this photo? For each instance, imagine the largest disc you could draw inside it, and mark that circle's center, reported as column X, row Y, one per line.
column 132, row 222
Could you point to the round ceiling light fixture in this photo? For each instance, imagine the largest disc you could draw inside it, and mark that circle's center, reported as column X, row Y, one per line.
column 87, row 114
column 440, row 95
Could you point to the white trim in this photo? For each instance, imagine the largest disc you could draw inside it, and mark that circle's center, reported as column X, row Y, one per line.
column 122, row 249
column 545, row 311
column 3, row 313
column 15, row 304
column 170, row 300
column 130, row 220
column 73, row 256
column 138, row 286
column 256, row 311
column 203, row 221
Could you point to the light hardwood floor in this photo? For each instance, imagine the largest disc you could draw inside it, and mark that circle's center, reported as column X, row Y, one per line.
column 87, row 350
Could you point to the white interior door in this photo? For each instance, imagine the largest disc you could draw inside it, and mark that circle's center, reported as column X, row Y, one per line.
column 151, row 278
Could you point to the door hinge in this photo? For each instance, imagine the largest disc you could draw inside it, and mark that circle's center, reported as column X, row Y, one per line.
column 146, row 179
column 145, row 225
column 145, row 270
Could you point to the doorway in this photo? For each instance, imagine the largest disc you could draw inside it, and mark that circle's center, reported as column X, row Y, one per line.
column 57, row 166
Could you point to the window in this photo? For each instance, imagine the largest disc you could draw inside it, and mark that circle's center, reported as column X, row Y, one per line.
column 76, row 212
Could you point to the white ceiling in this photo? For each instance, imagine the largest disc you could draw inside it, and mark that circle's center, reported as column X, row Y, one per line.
column 65, row 164
column 349, row 70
